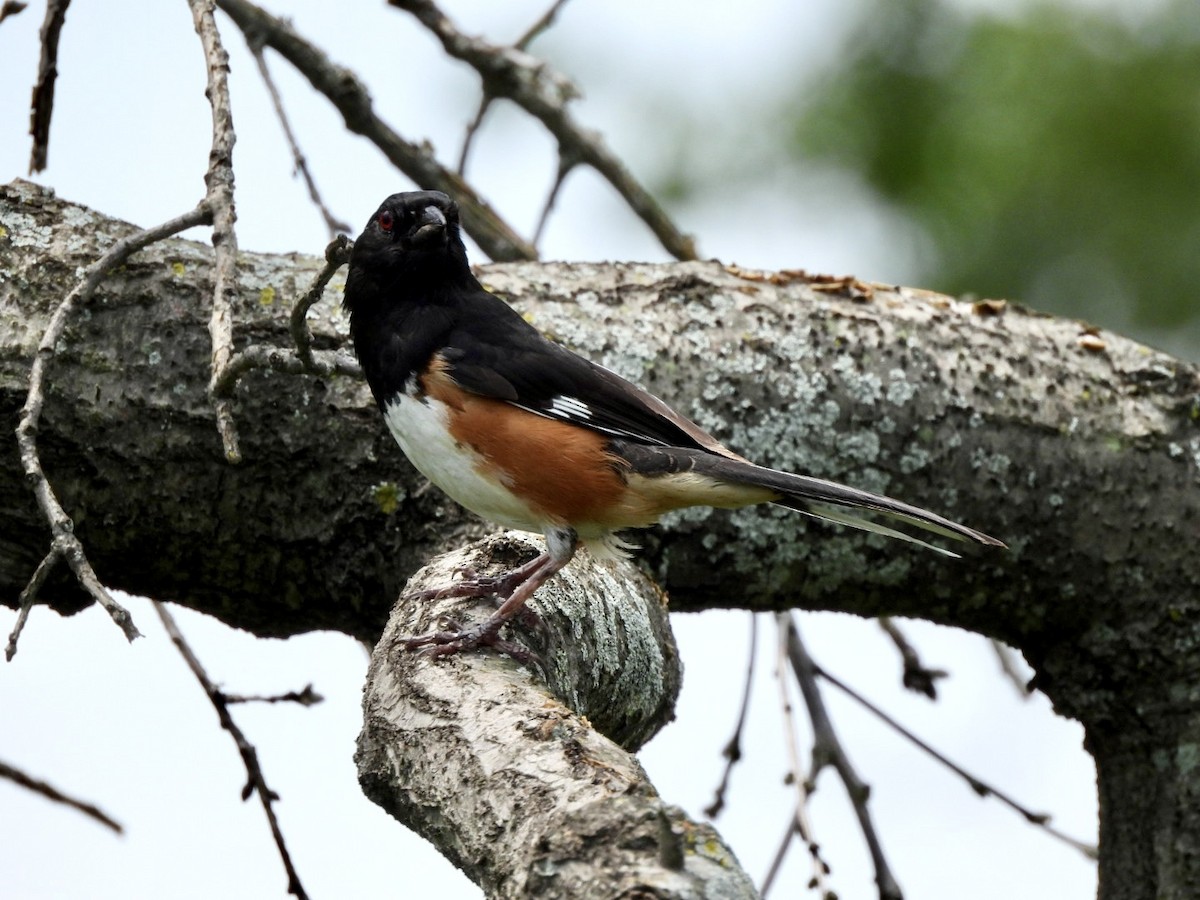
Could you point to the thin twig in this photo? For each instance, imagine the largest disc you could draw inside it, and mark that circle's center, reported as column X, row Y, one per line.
column 25, row 601
column 733, row 748
column 565, row 165
column 219, row 181
column 305, row 697
column 982, row 788
column 64, row 544
column 337, row 254
column 804, row 787
column 493, row 235
column 11, row 8
column 42, row 105
column 1006, row 656
column 916, row 677
column 828, row 750
column 544, row 93
column 539, row 27
column 301, row 164
column 485, row 101
column 52, row 793
column 255, row 780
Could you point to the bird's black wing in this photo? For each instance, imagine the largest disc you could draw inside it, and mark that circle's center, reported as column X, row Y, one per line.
column 500, row 355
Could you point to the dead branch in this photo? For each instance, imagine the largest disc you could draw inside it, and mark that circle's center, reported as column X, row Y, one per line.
column 64, row 544
column 511, row 73
column 50, row 792
column 916, row 677
column 804, row 783
column 495, row 237
column 219, row 181
column 733, row 747
column 828, row 751
column 980, row 787
column 256, row 782
column 42, row 106
column 300, row 164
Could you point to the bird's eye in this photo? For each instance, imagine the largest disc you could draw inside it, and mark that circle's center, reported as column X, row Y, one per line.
column 386, row 221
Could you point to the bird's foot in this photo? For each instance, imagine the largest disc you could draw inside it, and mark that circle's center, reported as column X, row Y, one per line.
column 472, row 585
column 455, row 639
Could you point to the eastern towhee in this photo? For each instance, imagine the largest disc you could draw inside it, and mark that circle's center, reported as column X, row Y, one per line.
column 529, row 435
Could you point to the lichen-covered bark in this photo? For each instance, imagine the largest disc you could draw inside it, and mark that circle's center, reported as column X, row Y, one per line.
column 1081, row 449
column 519, row 790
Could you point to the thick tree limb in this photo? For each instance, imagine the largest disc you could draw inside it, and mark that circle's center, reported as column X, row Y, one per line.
column 516, row 788
column 1081, row 449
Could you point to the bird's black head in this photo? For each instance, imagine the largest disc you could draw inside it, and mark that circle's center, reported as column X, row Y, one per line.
column 412, row 241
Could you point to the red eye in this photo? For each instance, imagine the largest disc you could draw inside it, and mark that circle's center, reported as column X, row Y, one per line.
column 386, row 221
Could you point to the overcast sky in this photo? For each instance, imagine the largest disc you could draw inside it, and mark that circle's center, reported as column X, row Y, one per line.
column 126, row 726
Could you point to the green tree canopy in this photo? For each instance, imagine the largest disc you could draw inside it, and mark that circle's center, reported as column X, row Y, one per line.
column 1051, row 156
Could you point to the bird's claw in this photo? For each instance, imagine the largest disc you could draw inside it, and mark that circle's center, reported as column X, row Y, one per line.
column 456, row 639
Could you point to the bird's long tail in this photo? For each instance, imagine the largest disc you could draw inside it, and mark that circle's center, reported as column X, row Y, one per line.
column 821, row 499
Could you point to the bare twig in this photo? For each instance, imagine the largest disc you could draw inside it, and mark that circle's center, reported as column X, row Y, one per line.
column 800, row 824
column 493, row 235
column 42, row 105
column 25, row 601
column 305, row 697
column 255, row 780
column 219, row 181
column 285, row 361
column 565, row 165
column 828, row 750
column 733, row 749
column 64, row 544
column 485, row 102
column 337, row 254
column 11, row 8
column 51, row 793
column 544, row 93
column 301, row 164
column 916, row 677
column 1006, row 656
column 983, row 789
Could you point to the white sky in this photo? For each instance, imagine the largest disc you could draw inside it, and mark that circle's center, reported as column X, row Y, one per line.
column 127, row 728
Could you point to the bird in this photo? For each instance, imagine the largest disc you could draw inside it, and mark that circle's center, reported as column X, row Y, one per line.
column 531, row 436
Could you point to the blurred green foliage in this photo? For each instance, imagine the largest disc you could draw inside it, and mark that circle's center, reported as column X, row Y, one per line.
column 1051, row 154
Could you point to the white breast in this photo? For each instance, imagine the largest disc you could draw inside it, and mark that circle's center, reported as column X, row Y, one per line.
column 420, row 427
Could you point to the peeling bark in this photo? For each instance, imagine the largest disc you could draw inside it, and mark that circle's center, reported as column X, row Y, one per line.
column 1080, row 448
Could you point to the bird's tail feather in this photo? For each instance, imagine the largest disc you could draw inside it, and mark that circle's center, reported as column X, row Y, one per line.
column 831, row 501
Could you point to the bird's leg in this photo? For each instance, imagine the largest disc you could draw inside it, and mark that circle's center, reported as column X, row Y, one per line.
column 521, row 585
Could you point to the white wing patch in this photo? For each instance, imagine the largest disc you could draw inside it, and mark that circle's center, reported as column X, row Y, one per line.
column 567, row 407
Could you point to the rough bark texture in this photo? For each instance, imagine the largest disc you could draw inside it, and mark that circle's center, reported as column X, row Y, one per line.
column 515, row 786
column 1080, row 449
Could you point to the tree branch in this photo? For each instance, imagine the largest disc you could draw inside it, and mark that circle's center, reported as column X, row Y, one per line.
column 42, row 106
column 510, row 776
column 544, row 93
column 219, row 181
column 495, row 237
column 65, row 545
column 52, row 793
column 1084, row 456
column 256, row 782
column 828, row 751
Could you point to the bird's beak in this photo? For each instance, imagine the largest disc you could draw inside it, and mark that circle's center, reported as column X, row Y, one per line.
column 430, row 230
